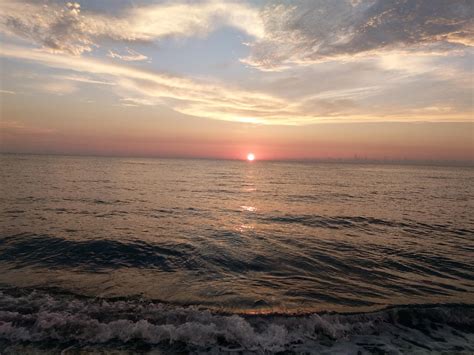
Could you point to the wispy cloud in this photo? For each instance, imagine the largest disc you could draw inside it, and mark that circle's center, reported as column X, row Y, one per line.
column 133, row 102
column 308, row 31
column 7, row 92
column 69, row 29
column 58, row 28
column 82, row 79
column 216, row 100
column 129, row 56
column 282, row 32
column 54, row 87
column 202, row 99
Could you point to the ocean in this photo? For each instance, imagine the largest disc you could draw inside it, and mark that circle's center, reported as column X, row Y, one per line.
column 209, row 256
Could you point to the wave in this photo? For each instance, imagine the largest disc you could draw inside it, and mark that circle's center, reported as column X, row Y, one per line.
column 29, row 249
column 31, row 319
column 313, row 270
column 363, row 223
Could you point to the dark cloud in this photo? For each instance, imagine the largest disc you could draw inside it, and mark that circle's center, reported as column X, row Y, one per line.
column 309, row 30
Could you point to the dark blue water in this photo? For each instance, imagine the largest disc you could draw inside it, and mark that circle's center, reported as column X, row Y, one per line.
column 236, row 238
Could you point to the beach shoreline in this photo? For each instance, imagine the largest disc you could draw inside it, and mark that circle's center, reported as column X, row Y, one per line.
column 36, row 320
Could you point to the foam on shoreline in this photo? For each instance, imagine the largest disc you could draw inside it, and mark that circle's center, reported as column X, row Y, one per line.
column 37, row 319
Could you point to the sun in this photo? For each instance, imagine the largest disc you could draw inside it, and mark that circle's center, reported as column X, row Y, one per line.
column 250, row 157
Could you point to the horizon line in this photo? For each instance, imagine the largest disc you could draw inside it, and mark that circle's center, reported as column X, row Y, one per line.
column 346, row 160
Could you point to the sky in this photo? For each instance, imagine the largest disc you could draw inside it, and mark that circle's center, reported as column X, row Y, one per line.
column 302, row 79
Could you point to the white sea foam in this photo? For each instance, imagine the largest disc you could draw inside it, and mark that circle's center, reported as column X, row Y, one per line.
column 57, row 321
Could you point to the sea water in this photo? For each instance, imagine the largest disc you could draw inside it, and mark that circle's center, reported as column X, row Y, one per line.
column 213, row 255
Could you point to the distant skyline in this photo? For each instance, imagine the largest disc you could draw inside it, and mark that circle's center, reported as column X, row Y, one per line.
column 334, row 79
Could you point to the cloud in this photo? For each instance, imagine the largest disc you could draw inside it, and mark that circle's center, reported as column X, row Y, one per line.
column 82, row 79
column 129, row 56
column 363, row 72
column 132, row 101
column 197, row 98
column 190, row 19
column 282, row 33
column 8, row 92
column 220, row 101
column 54, row 87
column 60, row 29
column 316, row 30
column 69, row 29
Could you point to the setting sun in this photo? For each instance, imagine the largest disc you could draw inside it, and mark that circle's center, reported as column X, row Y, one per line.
column 250, row 157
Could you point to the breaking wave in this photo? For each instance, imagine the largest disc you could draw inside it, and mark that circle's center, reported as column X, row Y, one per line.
column 39, row 319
